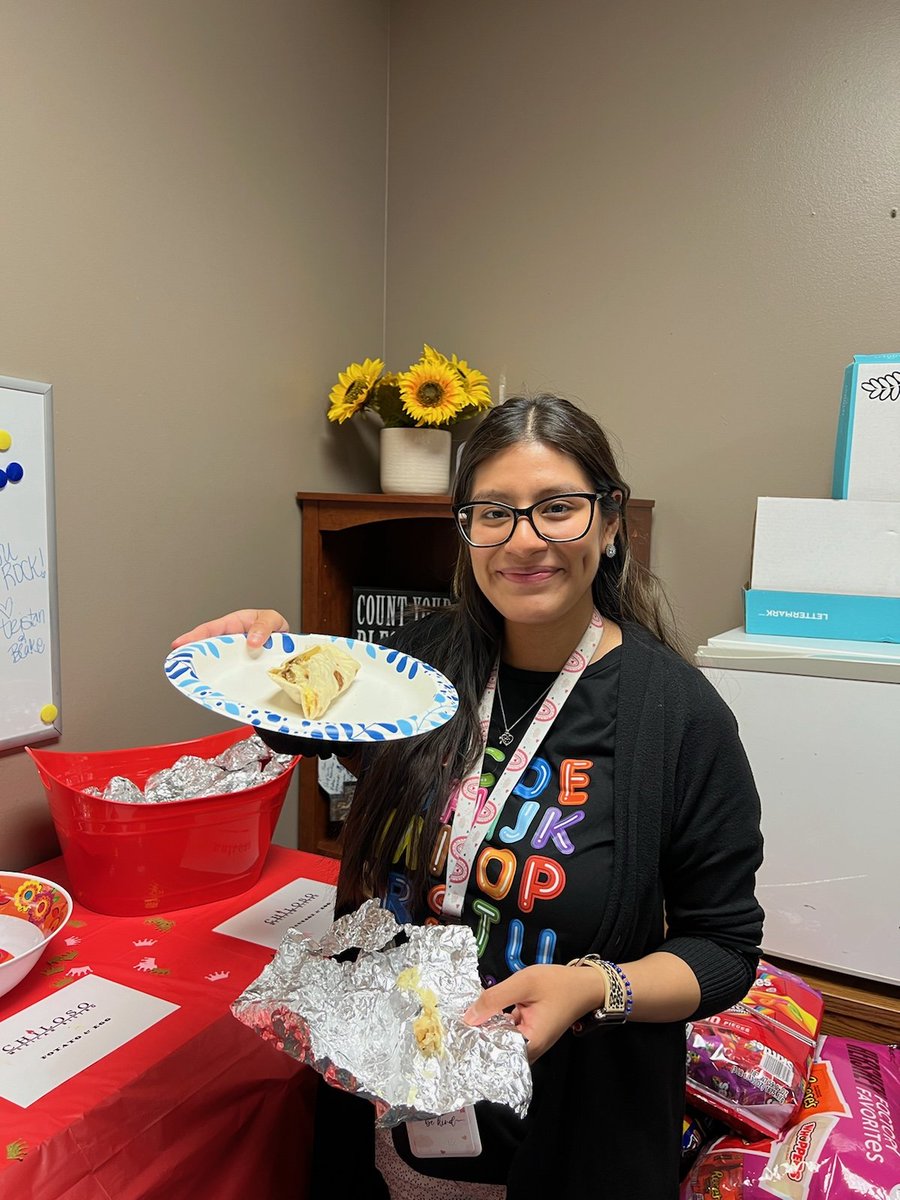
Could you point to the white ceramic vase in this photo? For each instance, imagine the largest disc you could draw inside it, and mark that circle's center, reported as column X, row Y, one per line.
column 415, row 461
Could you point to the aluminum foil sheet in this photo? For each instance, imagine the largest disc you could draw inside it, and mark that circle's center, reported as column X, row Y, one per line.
column 246, row 764
column 352, row 1023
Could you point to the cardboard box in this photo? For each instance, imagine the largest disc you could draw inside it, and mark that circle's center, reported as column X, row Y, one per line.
column 867, row 451
column 822, row 615
column 825, row 569
column 844, row 546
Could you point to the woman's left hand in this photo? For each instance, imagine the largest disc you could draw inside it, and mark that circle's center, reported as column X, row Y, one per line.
column 545, row 1000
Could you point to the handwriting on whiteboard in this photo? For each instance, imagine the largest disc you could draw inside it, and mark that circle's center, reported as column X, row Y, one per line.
column 21, row 630
column 16, row 569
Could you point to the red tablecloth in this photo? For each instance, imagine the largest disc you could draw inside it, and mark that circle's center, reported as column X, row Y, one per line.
column 197, row 1107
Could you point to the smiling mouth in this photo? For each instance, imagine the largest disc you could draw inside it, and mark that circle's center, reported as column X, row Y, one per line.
column 534, row 575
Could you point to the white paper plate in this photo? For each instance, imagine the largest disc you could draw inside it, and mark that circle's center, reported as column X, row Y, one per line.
column 393, row 696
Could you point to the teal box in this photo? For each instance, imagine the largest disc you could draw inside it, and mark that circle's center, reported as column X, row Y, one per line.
column 821, row 615
column 867, row 448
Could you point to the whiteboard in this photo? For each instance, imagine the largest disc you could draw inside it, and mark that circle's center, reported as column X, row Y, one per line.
column 29, row 640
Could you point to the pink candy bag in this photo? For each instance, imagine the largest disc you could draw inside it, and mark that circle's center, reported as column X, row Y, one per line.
column 748, row 1066
column 842, row 1144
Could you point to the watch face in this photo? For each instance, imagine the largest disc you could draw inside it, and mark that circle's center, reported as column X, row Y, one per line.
column 596, row 1018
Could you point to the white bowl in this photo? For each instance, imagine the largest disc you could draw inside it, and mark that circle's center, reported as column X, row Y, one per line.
column 32, row 912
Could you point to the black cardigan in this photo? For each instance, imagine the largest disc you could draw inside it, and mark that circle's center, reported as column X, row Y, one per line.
column 606, row 1117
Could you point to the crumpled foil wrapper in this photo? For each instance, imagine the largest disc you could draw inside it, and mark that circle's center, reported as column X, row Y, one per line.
column 245, row 764
column 352, row 1024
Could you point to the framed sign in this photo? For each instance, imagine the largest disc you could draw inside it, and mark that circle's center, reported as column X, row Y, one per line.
column 379, row 612
column 29, row 642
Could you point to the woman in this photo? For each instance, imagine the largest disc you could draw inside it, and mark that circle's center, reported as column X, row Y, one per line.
column 609, row 813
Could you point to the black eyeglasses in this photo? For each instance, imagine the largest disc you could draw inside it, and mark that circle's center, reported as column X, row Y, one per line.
column 565, row 518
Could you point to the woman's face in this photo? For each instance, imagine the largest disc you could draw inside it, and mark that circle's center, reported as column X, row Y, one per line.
column 530, row 581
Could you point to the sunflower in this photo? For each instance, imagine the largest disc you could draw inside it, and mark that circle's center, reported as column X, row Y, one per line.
column 474, row 384
column 435, row 391
column 353, row 389
column 429, row 354
column 432, row 393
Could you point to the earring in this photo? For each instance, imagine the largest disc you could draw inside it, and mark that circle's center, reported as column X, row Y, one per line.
column 610, row 550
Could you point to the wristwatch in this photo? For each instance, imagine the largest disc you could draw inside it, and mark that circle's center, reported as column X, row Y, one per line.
column 617, row 1004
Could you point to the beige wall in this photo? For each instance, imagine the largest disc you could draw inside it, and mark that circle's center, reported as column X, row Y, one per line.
column 677, row 213
column 192, row 239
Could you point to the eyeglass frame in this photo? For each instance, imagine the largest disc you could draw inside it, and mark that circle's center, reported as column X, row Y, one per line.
column 528, row 514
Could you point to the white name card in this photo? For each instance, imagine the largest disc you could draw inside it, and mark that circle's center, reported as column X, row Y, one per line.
column 303, row 904
column 47, row 1043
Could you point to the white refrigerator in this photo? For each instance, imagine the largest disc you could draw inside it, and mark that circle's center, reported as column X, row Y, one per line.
column 820, row 722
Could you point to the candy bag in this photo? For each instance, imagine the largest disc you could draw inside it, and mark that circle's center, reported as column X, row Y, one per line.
column 697, row 1129
column 842, row 1144
column 748, row 1065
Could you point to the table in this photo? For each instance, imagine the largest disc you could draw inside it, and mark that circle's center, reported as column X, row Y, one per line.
column 194, row 1107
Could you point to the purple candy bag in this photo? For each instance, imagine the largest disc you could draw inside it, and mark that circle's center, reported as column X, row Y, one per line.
column 842, row 1144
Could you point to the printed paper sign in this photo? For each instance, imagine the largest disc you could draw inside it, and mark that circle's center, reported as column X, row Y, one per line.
column 47, row 1043
column 303, row 904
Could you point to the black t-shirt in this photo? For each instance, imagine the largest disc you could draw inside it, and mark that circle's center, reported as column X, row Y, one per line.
column 541, row 876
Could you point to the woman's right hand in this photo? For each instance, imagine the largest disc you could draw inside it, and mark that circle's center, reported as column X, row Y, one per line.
column 258, row 623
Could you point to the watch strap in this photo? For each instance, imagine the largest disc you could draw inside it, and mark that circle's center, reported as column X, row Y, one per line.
column 618, row 1002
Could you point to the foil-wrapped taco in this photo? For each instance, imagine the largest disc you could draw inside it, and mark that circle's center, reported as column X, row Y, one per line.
column 388, row 1026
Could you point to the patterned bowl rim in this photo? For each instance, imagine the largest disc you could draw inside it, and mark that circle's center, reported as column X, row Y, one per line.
column 24, row 877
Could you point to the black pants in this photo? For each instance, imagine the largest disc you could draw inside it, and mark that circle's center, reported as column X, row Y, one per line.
column 344, row 1148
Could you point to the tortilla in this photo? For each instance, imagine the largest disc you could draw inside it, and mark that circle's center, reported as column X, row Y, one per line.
column 315, row 678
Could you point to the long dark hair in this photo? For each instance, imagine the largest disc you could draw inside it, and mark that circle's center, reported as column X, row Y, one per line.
column 403, row 787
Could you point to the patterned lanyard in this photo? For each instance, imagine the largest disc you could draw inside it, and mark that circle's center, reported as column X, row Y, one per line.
column 474, row 813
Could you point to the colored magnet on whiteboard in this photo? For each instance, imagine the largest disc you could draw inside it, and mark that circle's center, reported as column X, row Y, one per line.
column 2, row 480
column 5, row 439
column 14, row 472
column 49, row 713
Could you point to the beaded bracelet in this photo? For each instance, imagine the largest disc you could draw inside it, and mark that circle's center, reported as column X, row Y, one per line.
column 619, row 1001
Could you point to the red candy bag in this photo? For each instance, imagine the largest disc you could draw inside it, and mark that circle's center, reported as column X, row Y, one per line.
column 748, row 1065
column 842, row 1144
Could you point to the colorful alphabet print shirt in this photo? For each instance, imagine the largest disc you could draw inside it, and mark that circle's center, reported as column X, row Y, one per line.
column 541, row 876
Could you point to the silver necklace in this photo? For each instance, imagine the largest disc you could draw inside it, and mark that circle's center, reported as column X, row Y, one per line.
column 506, row 736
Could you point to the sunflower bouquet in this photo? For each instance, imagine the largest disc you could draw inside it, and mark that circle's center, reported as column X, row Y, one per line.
column 436, row 391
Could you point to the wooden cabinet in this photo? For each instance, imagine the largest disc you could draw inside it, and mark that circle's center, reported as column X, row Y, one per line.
column 405, row 542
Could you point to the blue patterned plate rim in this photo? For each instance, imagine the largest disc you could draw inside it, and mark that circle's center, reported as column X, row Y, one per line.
column 394, row 695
